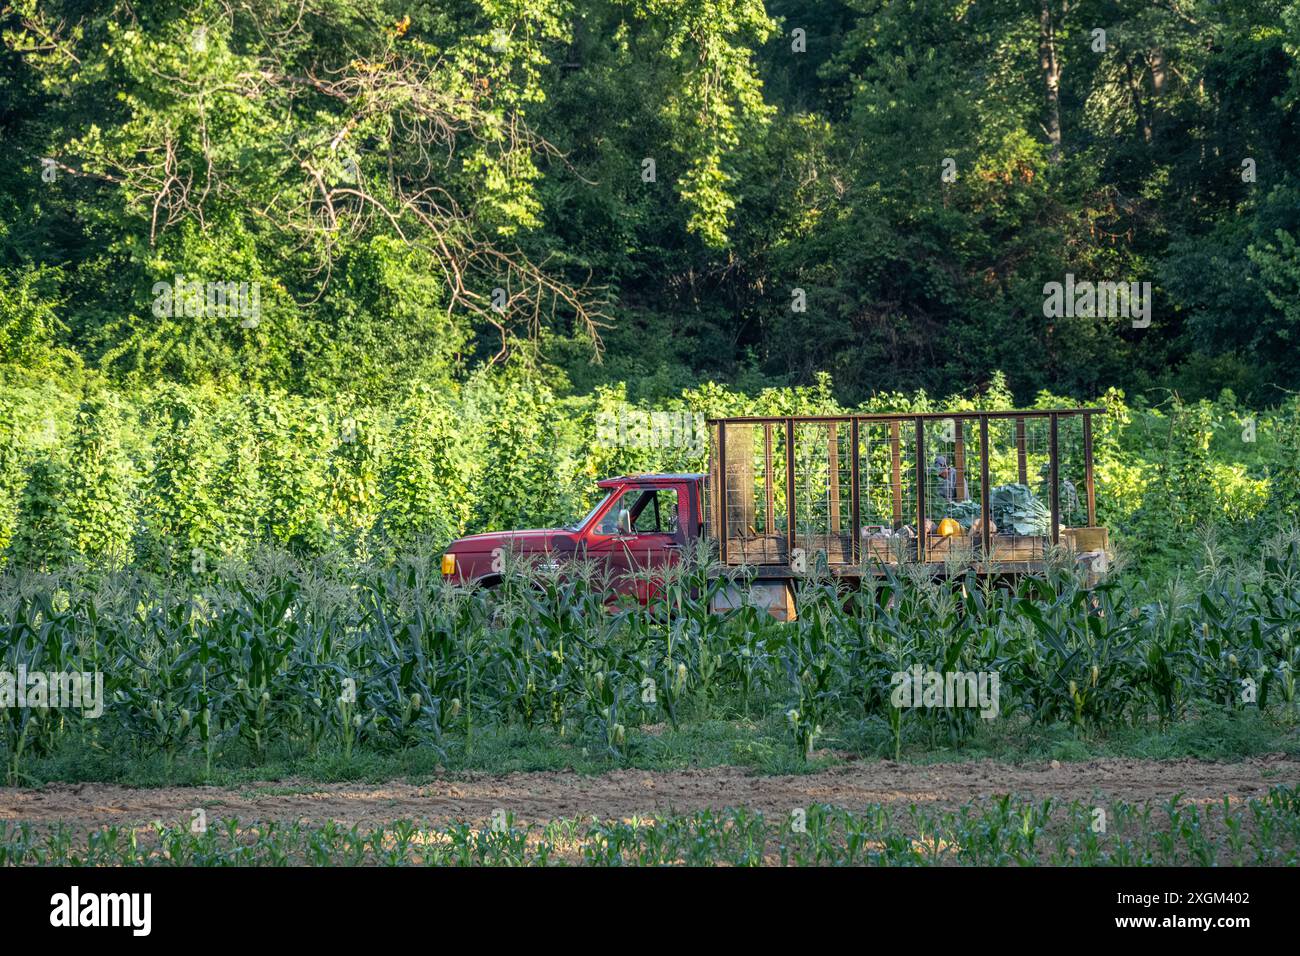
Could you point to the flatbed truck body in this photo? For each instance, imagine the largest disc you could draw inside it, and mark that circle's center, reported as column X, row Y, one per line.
column 996, row 492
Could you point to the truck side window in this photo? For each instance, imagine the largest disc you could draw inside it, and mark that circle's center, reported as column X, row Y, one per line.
column 645, row 511
column 653, row 511
column 645, row 516
column 658, row 512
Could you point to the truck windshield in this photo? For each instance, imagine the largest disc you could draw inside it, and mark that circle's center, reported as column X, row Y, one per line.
column 579, row 525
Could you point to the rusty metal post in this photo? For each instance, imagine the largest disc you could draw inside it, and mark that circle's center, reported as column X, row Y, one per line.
column 959, row 459
column 769, row 513
column 985, row 518
column 896, row 471
column 1087, row 469
column 921, row 542
column 833, row 474
column 722, row 496
column 1021, row 465
column 1054, row 466
column 855, row 480
column 789, row 489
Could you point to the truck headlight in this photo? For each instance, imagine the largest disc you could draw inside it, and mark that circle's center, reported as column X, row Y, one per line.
column 448, row 564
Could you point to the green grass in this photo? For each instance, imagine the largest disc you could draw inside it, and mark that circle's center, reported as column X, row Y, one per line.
column 761, row 747
column 1214, row 735
column 1004, row 831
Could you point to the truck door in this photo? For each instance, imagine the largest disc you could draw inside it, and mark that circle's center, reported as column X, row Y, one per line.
column 642, row 530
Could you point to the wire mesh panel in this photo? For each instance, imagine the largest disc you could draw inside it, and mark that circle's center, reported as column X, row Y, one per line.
column 823, row 485
column 1077, row 510
column 1070, row 471
column 886, row 492
column 755, row 493
column 952, row 488
column 1019, row 509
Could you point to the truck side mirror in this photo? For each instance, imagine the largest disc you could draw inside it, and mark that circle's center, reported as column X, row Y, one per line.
column 624, row 521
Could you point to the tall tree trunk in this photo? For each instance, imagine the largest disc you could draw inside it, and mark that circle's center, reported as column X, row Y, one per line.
column 1159, row 71
column 1139, row 107
column 1051, row 67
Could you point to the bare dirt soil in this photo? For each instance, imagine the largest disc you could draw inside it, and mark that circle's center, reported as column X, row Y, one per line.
column 542, row 797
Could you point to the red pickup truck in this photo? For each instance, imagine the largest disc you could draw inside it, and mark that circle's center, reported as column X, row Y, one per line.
column 642, row 522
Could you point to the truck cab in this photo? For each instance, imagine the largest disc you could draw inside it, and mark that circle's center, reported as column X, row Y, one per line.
column 641, row 522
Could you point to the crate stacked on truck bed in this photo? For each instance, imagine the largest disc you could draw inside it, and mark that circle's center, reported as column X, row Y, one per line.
column 998, row 491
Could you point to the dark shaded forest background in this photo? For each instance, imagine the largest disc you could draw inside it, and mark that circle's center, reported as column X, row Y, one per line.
column 380, row 168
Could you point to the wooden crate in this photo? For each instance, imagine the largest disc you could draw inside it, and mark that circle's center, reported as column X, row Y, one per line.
column 886, row 550
column 838, row 549
column 757, row 549
column 1086, row 539
column 1018, row 547
column 942, row 548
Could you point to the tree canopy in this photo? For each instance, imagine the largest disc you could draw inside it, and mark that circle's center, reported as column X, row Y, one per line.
column 659, row 192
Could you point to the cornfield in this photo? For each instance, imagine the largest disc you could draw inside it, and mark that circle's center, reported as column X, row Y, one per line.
column 278, row 654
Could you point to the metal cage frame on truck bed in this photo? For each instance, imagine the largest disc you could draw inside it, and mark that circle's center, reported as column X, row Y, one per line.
column 995, row 490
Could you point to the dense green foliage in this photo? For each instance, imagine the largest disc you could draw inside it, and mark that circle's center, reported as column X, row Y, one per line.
column 380, row 169
column 173, row 475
